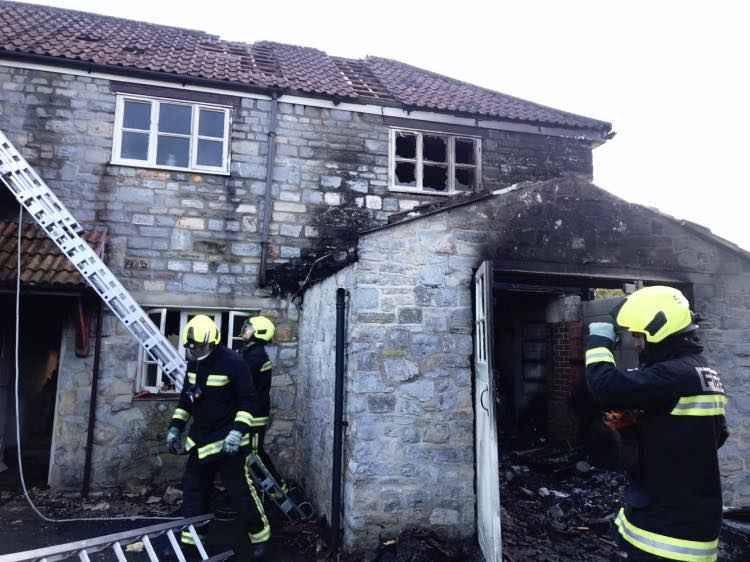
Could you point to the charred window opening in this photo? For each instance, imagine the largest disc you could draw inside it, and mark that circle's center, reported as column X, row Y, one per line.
column 406, row 173
column 465, row 179
column 406, row 145
column 435, row 148
column 435, row 177
column 465, row 151
column 434, row 163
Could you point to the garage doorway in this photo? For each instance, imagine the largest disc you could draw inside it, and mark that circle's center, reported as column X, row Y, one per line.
column 529, row 356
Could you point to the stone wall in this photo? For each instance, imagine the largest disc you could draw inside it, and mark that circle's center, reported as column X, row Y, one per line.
column 186, row 240
column 317, row 350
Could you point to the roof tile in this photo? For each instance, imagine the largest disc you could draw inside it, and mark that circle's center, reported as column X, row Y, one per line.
column 44, row 266
column 28, row 30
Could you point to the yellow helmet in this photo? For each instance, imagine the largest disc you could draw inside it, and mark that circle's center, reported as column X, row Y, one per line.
column 262, row 328
column 656, row 312
column 201, row 329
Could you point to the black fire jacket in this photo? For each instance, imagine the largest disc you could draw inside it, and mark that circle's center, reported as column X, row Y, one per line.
column 673, row 504
column 260, row 366
column 219, row 395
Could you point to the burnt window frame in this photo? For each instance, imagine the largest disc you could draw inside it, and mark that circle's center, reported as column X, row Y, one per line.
column 419, row 162
column 153, row 134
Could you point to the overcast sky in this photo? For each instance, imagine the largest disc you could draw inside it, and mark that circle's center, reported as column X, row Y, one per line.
column 672, row 77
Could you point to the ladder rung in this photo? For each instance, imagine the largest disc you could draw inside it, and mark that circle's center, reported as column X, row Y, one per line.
column 119, row 554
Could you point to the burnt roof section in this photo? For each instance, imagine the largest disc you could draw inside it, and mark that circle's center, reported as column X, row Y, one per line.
column 466, row 198
column 73, row 38
column 44, row 266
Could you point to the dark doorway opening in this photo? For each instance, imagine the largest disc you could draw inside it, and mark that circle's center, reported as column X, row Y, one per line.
column 40, row 334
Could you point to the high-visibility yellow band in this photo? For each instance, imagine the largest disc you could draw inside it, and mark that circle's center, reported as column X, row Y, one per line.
column 210, row 449
column 187, row 538
column 267, row 366
column 217, row 380
column 189, row 444
column 180, row 414
column 599, row 355
column 665, row 546
column 701, row 405
column 265, row 533
column 248, row 419
column 192, row 377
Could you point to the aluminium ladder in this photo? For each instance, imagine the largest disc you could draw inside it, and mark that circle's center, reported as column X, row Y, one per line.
column 63, row 229
column 116, row 541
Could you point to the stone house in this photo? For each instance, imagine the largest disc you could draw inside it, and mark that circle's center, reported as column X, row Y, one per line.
column 235, row 178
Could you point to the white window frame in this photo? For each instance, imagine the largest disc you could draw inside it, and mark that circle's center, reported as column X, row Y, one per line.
column 419, row 162
column 153, row 135
column 216, row 314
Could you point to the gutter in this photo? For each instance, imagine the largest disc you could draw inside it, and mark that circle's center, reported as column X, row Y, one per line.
column 267, row 196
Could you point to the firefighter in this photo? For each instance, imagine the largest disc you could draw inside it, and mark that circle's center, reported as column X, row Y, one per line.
column 672, row 506
column 219, row 396
column 257, row 331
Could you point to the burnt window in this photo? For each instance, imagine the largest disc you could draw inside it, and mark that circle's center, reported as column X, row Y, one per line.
column 434, row 162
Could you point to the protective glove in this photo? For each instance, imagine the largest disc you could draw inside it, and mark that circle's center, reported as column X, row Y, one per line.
column 603, row 329
column 232, row 442
column 174, row 442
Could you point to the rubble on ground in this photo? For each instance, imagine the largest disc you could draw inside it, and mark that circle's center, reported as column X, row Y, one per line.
column 556, row 507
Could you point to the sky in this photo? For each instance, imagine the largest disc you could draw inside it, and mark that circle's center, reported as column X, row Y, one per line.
column 672, row 77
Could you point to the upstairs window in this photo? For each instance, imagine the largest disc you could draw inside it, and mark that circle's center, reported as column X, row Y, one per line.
column 434, row 163
column 173, row 135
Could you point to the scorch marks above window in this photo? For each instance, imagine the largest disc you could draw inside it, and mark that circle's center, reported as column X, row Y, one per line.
column 434, row 162
column 169, row 134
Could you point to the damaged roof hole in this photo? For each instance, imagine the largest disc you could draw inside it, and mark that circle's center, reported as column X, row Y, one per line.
column 435, row 149
column 466, row 179
column 465, row 151
column 435, row 177
column 406, row 173
column 406, row 145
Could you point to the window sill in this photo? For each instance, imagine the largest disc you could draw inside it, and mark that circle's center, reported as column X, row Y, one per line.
column 131, row 164
column 415, row 191
column 145, row 396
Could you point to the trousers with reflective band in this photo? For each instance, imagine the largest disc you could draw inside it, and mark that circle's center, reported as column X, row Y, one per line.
column 671, row 548
column 197, row 488
column 701, row 405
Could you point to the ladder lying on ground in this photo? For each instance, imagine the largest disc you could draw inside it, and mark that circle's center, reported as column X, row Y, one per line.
column 63, row 229
column 118, row 542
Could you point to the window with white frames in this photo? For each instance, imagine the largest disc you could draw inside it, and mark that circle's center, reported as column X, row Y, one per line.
column 170, row 134
column 171, row 323
column 435, row 163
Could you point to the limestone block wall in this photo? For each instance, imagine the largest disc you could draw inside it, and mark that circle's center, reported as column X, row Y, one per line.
column 316, row 383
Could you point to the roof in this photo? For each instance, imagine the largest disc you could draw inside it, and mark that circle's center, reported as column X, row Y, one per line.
column 466, row 198
column 44, row 266
column 74, row 38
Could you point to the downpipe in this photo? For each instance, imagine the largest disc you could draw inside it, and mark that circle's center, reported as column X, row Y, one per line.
column 339, row 425
column 92, row 404
column 267, row 199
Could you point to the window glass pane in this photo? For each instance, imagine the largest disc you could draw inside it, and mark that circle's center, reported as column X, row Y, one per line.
column 151, row 370
column 435, row 177
column 173, row 151
column 134, row 146
column 465, row 153
column 406, row 145
column 211, row 123
column 210, row 153
column 435, row 148
column 137, row 115
column 406, row 173
column 175, row 118
column 465, row 178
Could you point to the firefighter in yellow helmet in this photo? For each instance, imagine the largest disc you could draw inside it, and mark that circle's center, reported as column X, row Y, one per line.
column 257, row 331
column 218, row 394
column 672, row 507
